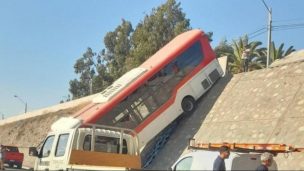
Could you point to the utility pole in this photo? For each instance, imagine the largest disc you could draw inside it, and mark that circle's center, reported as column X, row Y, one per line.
column 269, row 27
column 91, row 86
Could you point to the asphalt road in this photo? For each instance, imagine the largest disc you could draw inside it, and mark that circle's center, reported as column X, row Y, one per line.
column 7, row 168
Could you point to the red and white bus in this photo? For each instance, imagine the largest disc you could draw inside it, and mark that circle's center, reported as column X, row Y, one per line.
column 148, row 98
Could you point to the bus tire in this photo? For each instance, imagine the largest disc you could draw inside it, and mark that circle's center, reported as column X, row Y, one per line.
column 188, row 105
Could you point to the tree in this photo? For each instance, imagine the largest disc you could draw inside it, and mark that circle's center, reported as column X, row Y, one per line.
column 83, row 67
column 210, row 34
column 66, row 99
column 156, row 30
column 275, row 53
column 86, row 67
column 118, row 46
column 223, row 49
column 126, row 48
column 279, row 53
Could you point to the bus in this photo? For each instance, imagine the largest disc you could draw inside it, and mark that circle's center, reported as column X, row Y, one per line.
column 148, row 98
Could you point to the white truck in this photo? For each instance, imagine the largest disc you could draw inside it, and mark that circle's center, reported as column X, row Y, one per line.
column 203, row 160
column 74, row 146
column 243, row 156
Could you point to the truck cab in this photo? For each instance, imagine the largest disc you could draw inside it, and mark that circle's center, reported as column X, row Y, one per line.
column 72, row 145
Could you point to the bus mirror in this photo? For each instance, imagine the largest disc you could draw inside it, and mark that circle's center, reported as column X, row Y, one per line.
column 33, row 151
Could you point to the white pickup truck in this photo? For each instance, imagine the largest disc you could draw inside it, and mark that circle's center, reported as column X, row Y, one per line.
column 74, row 146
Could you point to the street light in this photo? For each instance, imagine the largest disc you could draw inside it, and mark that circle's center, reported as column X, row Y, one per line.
column 269, row 27
column 25, row 103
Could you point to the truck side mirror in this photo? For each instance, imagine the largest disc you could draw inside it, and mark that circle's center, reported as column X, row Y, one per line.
column 33, row 151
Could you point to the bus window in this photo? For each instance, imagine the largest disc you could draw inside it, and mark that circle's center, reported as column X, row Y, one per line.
column 120, row 116
column 191, row 58
column 125, row 120
column 140, row 108
column 151, row 104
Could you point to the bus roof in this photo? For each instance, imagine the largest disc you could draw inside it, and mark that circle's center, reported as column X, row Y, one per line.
column 172, row 49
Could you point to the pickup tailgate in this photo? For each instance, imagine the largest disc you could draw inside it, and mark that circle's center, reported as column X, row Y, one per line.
column 13, row 157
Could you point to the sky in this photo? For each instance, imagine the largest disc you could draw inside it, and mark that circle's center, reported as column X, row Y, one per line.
column 41, row 40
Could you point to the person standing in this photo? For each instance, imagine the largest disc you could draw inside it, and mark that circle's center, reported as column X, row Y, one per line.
column 245, row 60
column 266, row 159
column 219, row 163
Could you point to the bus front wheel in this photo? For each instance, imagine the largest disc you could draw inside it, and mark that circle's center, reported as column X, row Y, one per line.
column 188, row 105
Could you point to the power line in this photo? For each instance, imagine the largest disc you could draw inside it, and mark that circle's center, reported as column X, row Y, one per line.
column 289, row 20
column 276, row 28
column 291, row 28
column 253, row 36
column 289, row 25
column 281, row 27
column 259, row 30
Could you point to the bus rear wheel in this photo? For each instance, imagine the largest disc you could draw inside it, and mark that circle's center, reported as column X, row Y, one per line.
column 188, row 105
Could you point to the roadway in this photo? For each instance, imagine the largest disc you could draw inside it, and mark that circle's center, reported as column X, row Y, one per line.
column 8, row 168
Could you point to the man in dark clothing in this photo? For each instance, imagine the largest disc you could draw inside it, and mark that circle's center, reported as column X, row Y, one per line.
column 219, row 163
column 266, row 159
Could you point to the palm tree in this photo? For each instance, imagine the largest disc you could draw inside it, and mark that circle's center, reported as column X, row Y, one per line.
column 275, row 54
column 235, row 62
column 279, row 53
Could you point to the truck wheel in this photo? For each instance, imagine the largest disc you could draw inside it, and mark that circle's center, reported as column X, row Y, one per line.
column 188, row 105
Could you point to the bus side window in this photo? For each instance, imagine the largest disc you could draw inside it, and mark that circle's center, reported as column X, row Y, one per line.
column 125, row 119
column 191, row 57
column 140, row 108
